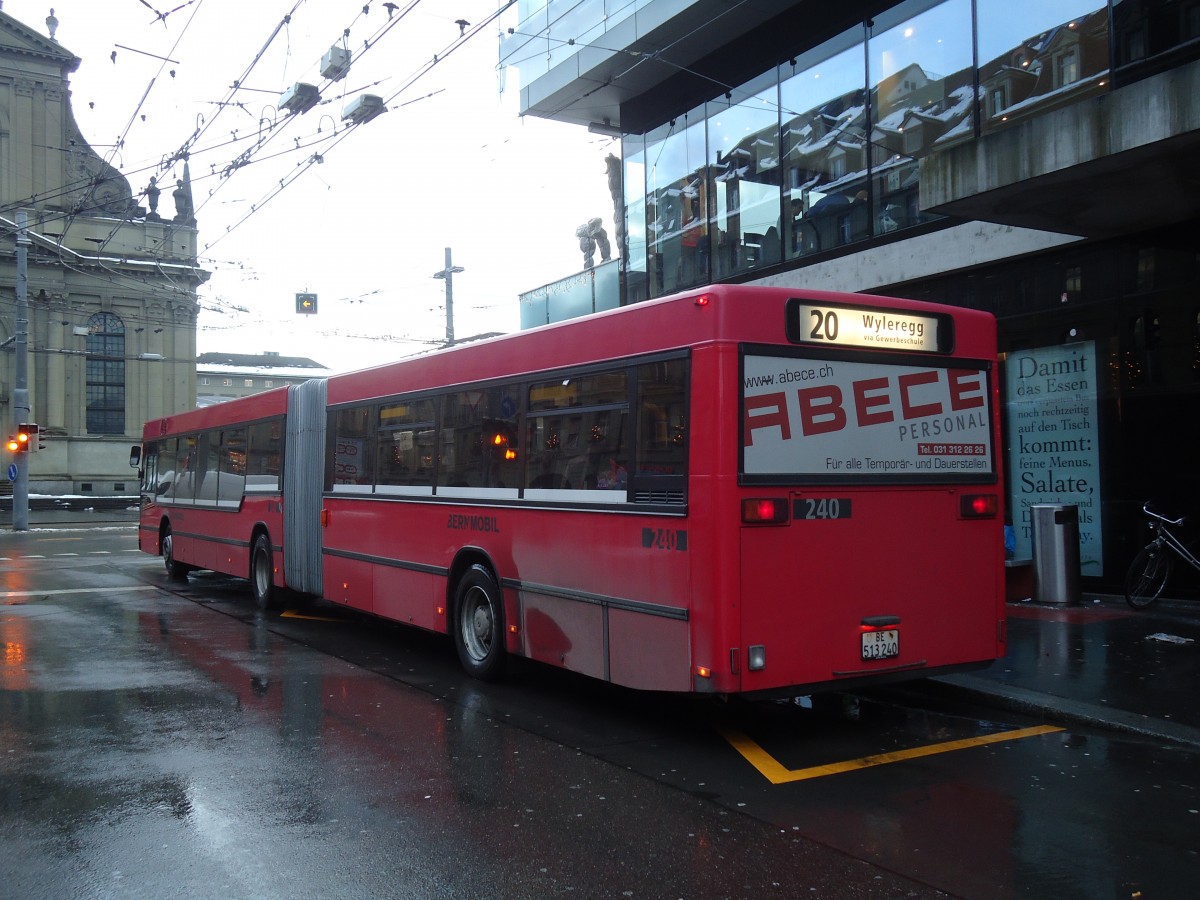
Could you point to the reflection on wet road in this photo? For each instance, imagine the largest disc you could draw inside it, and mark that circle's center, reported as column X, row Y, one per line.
column 157, row 742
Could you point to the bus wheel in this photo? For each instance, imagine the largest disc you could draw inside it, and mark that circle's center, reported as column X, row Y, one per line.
column 262, row 573
column 175, row 569
column 479, row 624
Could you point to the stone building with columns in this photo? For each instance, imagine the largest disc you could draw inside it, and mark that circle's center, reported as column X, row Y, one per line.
column 111, row 280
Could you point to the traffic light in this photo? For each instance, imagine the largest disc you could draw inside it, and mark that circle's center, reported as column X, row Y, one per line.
column 306, row 304
column 19, row 442
column 26, row 439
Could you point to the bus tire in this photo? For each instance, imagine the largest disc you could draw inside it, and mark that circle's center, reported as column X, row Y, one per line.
column 176, row 570
column 479, row 624
column 262, row 573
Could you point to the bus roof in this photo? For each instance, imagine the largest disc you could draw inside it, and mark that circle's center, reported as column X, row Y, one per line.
column 739, row 313
column 242, row 409
column 724, row 312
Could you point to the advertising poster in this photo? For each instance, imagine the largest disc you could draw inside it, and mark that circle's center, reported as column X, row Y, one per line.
column 823, row 418
column 1054, row 447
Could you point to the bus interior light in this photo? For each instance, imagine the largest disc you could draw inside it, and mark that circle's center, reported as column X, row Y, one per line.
column 979, row 506
column 756, row 658
column 764, row 510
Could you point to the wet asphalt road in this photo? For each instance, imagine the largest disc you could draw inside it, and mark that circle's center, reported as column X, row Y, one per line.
column 153, row 747
column 161, row 740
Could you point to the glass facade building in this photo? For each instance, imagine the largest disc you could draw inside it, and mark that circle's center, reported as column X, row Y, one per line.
column 823, row 151
column 895, row 148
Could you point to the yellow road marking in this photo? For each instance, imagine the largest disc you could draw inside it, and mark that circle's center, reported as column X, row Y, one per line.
column 292, row 614
column 771, row 769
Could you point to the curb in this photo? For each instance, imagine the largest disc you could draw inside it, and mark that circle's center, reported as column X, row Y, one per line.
column 72, row 504
column 1049, row 706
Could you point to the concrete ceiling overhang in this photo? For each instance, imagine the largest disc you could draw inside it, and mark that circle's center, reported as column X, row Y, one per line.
column 1124, row 162
column 661, row 41
column 1138, row 190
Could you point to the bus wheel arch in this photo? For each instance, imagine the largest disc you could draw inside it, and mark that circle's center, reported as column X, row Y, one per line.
column 477, row 617
column 262, row 569
column 176, row 570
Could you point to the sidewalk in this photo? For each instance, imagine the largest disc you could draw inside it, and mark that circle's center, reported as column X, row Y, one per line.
column 46, row 512
column 1100, row 664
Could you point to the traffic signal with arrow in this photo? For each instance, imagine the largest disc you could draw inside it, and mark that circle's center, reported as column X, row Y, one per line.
column 306, row 304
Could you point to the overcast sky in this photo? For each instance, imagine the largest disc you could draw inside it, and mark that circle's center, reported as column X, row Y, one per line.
column 450, row 164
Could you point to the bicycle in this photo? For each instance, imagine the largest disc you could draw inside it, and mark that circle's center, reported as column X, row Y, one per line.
column 1150, row 569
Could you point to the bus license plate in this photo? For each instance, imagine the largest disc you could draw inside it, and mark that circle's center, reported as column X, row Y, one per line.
column 881, row 644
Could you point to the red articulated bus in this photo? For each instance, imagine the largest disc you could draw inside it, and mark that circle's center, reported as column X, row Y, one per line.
column 731, row 490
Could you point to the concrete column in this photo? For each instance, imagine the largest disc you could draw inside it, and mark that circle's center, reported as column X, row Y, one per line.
column 55, row 404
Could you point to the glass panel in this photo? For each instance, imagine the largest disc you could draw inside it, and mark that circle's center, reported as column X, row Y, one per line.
column 353, row 434
column 264, row 454
column 105, row 374
column 233, row 465
column 675, row 204
column 1038, row 55
column 208, row 450
column 406, row 443
column 479, row 438
column 662, row 419
column 824, row 103
column 184, row 487
column 164, row 478
column 743, row 136
column 921, row 76
column 149, row 483
column 586, row 450
column 603, row 388
column 632, row 247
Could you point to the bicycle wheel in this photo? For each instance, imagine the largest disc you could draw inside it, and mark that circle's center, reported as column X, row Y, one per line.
column 1147, row 575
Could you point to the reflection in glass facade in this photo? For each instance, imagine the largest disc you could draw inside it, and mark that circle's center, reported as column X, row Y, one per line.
column 824, row 151
column 1035, row 57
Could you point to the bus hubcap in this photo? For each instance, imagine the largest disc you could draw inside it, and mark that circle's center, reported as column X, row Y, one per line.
column 477, row 625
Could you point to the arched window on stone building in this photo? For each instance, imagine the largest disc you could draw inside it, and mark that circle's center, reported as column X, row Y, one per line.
column 106, row 374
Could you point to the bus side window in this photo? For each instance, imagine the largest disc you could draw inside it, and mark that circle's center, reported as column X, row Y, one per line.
column 406, row 443
column 662, row 437
column 353, row 436
column 576, row 434
column 264, row 455
column 480, row 446
column 150, row 468
column 232, row 471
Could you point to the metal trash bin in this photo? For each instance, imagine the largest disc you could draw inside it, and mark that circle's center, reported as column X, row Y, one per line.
column 1056, row 554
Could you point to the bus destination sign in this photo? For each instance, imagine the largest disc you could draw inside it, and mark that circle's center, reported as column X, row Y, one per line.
column 861, row 327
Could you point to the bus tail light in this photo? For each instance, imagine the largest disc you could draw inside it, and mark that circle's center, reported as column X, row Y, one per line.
column 764, row 511
column 978, row 506
column 701, row 300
